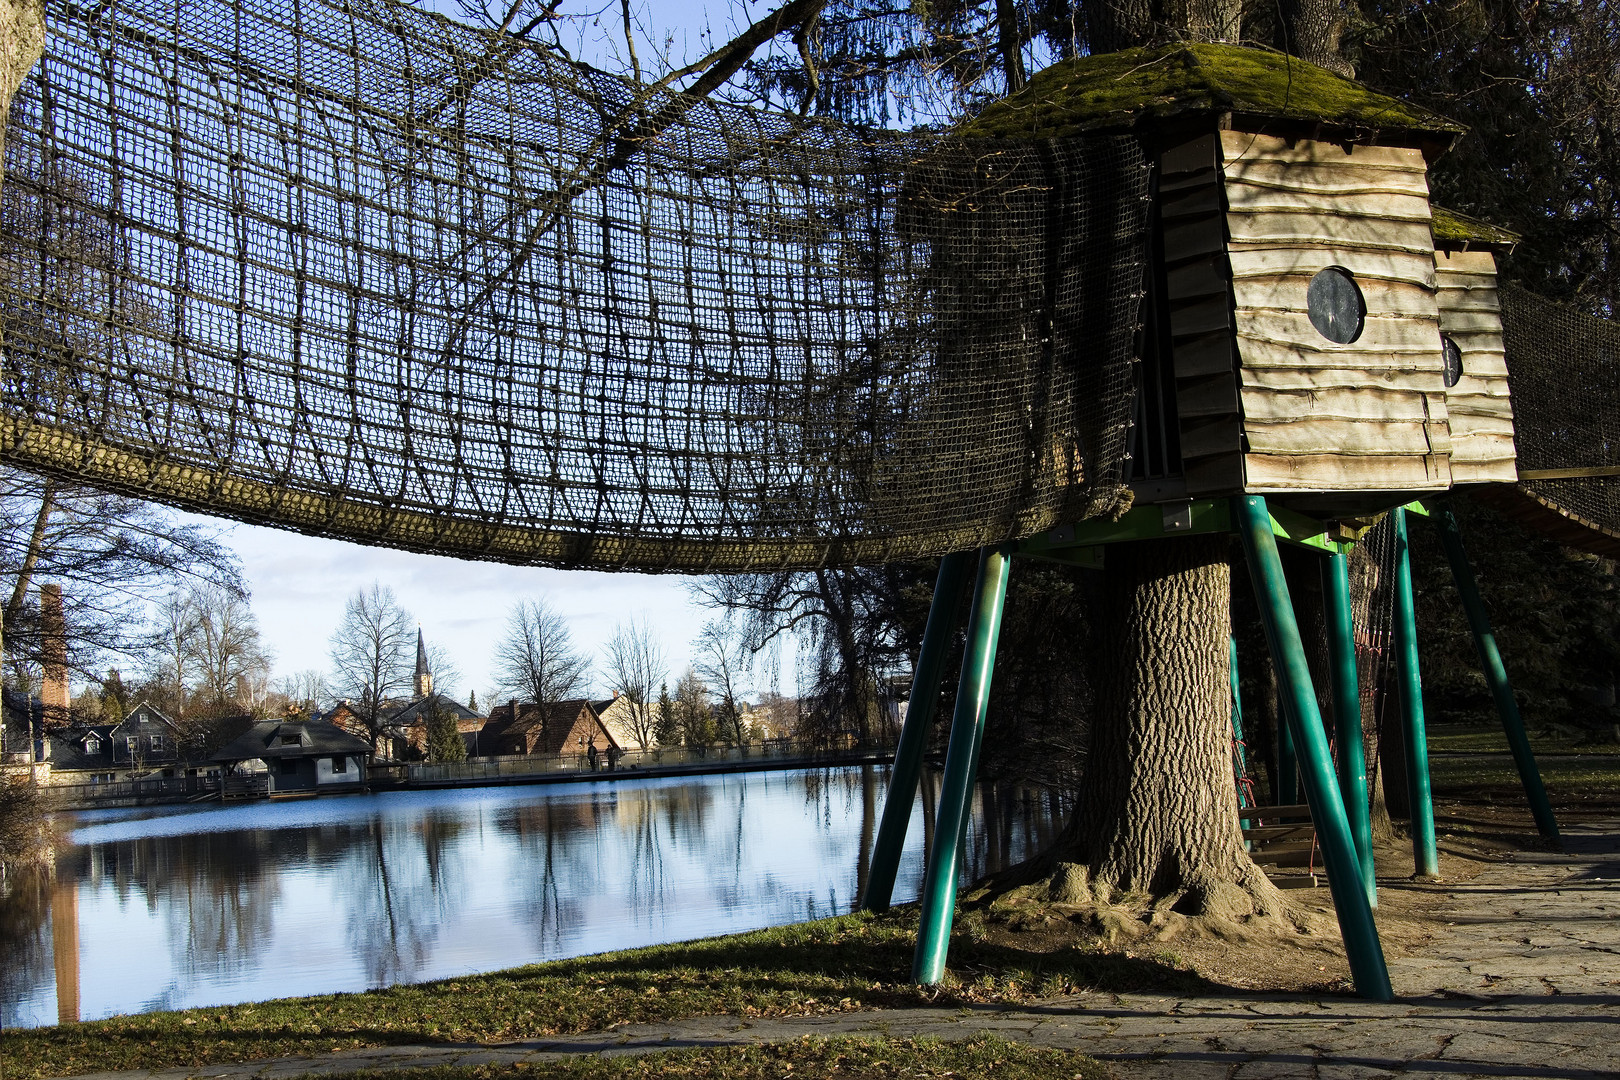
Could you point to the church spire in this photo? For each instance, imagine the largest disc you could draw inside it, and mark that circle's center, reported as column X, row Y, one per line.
column 424, row 677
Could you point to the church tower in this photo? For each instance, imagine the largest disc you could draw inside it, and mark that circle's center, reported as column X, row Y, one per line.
column 424, row 677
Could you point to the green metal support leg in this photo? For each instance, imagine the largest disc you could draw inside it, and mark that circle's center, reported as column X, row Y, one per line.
column 1347, row 713
column 1240, row 763
column 908, row 756
column 1425, row 859
column 1298, row 698
column 967, row 729
column 1287, row 793
column 1490, row 659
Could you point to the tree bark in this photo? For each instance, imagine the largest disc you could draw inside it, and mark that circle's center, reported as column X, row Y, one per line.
column 1158, row 812
column 1313, row 32
column 1123, row 24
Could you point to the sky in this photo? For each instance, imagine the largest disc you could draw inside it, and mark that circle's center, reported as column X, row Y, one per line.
column 300, row 583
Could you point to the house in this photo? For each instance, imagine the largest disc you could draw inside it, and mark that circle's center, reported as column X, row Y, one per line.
column 305, row 757
column 620, row 717
column 22, row 719
column 145, row 738
column 146, row 743
column 562, row 727
column 409, row 725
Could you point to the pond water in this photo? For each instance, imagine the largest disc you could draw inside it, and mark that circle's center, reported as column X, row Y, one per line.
column 166, row 908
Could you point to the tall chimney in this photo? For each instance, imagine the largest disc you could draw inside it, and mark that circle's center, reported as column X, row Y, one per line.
column 53, row 695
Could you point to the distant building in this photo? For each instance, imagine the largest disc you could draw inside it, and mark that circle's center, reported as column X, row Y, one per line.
column 299, row 756
column 561, row 728
column 619, row 716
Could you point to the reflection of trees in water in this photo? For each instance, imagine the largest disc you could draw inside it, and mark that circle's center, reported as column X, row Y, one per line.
column 557, row 840
column 400, row 893
column 217, row 893
column 639, row 815
column 25, row 948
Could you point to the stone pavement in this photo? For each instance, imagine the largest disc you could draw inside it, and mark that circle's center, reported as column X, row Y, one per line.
column 1526, row 983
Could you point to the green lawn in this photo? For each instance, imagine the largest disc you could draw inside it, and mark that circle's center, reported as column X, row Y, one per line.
column 854, row 1059
column 849, row 962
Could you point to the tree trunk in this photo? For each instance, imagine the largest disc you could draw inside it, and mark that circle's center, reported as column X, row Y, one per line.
column 1313, row 30
column 1157, row 813
column 1123, row 24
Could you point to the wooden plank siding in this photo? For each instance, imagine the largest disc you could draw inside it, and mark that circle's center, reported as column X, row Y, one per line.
column 1482, row 449
column 1198, row 292
column 1371, row 415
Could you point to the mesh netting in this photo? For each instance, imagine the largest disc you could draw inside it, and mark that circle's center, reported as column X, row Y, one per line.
column 1565, row 368
column 367, row 273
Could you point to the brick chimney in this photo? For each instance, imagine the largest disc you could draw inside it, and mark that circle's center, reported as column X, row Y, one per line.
column 53, row 694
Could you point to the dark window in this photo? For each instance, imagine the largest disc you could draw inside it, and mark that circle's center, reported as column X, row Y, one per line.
column 1453, row 359
column 1335, row 305
column 289, row 740
column 340, row 764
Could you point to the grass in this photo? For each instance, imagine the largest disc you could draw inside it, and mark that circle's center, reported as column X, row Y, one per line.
column 854, row 1059
column 839, row 964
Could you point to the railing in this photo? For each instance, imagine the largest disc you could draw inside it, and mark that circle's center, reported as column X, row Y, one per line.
column 249, row 786
column 495, row 768
column 144, row 790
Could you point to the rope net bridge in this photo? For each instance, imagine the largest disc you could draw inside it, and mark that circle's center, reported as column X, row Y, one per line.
column 1565, row 371
column 360, row 271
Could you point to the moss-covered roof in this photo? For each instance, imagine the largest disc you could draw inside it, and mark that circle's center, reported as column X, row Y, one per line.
column 1115, row 91
column 1455, row 230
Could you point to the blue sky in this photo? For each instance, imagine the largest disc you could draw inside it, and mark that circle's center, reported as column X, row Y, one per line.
column 300, row 583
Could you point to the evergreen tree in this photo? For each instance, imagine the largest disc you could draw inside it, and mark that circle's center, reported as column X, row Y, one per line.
column 444, row 742
column 667, row 732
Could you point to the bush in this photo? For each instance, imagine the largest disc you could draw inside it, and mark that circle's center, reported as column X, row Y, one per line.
column 22, row 821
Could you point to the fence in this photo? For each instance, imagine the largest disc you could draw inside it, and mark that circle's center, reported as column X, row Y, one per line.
column 132, row 792
column 771, row 753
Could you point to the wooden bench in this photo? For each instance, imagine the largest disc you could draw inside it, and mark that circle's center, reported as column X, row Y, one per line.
column 1282, row 840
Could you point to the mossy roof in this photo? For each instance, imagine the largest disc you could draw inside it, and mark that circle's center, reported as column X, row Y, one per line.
column 1120, row 90
column 1452, row 229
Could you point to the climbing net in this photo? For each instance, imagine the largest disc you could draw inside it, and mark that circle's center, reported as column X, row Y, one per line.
column 360, row 271
column 1565, row 370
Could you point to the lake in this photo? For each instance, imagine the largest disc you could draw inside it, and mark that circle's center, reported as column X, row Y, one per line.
column 174, row 907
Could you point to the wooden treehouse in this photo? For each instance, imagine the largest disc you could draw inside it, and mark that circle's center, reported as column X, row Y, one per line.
column 1318, row 345
column 1314, row 329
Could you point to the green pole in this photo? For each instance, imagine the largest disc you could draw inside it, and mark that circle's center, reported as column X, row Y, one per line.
column 1347, row 712
column 1425, row 859
column 1287, row 767
column 956, row 793
column 1300, row 710
column 908, row 756
column 1240, row 764
column 1490, row 659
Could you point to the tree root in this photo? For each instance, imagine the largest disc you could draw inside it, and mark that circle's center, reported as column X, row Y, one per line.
column 1245, row 910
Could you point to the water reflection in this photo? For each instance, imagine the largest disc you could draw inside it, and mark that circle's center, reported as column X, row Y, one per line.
column 171, row 908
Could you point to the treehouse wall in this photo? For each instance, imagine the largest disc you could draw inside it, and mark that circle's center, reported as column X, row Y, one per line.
column 1482, row 449
column 1370, row 415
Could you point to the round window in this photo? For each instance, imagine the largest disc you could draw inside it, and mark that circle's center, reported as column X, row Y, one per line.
column 1335, row 305
column 1452, row 356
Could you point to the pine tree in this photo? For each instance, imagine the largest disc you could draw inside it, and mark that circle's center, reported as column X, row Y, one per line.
column 444, row 742
column 668, row 731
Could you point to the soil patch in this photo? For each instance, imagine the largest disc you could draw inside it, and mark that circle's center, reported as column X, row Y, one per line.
column 1480, row 821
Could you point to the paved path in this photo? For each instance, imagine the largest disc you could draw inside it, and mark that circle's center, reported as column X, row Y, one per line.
column 1526, row 984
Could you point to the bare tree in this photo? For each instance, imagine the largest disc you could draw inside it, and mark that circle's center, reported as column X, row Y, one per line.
column 536, row 660
column 225, row 654
column 721, row 661
column 166, row 658
column 694, row 719
column 635, row 668
column 305, row 690
column 373, row 650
